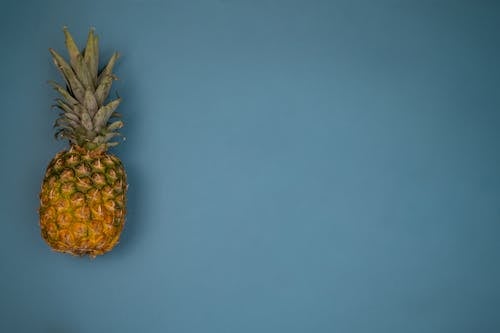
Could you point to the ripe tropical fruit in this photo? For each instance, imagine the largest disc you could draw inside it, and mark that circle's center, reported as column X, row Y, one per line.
column 83, row 194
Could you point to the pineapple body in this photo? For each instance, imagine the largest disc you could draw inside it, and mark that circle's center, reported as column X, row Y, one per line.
column 82, row 202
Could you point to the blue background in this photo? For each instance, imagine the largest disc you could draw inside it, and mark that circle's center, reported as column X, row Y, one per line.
column 294, row 166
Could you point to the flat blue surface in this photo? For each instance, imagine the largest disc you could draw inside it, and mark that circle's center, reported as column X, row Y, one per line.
column 294, row 166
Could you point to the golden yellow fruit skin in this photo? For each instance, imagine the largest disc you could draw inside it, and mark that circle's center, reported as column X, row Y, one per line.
column 83, row 202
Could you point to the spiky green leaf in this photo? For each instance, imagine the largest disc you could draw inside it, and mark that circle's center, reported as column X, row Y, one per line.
column 71, row 113
column 90, row 103
column 59, row 134
column 110, row 136
column 104, row 113
column 83, row 74
column 91, row 55
column 65, row 122
column 61, row 105
column 86, row 120
column 114, row 126
column 72, row 116
column 106, row 137
column 68, row 74
column 102, row 91
column 108, row 70
column 64, row 93
column 73, row 51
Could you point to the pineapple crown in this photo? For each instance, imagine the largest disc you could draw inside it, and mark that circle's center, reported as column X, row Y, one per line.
column 85, row 119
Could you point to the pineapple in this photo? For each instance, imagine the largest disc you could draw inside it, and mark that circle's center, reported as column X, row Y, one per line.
column 82, row 199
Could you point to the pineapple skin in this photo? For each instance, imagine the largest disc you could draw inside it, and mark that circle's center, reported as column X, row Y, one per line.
column 83, row 202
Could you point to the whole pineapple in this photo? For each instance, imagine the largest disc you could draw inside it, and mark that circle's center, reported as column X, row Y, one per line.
column 82, row 200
